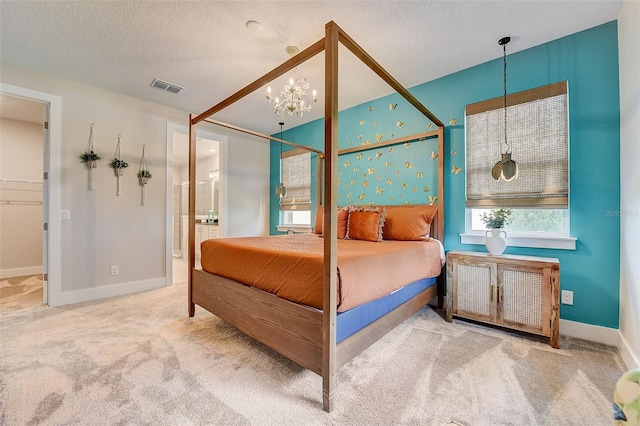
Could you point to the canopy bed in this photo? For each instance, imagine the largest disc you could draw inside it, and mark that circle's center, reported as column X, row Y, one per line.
column 310, row 330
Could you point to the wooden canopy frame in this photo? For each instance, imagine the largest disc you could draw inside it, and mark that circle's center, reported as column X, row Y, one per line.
column 331, row 360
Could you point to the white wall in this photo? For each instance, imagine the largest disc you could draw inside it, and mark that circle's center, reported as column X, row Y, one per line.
column 628, row 36
column 106, row 230
column 21, row 151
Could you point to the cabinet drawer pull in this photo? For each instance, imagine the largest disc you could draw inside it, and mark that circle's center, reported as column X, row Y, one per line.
column 491, row 294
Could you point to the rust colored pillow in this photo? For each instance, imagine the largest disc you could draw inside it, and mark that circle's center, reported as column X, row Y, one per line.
column 365, row 223
column 409, row 223
column 343, row 215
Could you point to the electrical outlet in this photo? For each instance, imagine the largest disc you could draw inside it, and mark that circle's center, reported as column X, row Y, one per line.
column 115, row 270
column 567, row 297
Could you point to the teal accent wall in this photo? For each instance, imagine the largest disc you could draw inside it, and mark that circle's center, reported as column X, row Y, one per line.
column 588, row 60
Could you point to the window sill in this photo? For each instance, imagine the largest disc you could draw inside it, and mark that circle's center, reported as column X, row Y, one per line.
column 531, row 241
column 298, row 229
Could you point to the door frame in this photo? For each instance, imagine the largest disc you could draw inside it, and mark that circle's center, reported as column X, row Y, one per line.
column 52, row 255
column 222, row 214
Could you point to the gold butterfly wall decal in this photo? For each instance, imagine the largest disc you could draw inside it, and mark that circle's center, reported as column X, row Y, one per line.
column 373, row 123
column 434, row 155
column 362, row 122
column 408, row 165
column 350, row 142
column 389, row 182
column 397, row 172
column 359, row 136
column 338, row 181
column 453, row 121
column 432, row 200
column 399, row 123
column 419, row 174
column 379, row 190
column 365, row 184
column 406, row 144
column 346, row 164
column 400, row 196
column 430, row 126
column 455, row 170
column 371, row 203
column 358, row 156
column 347, row 186
column 390, row 135
column 362, row 196
column 378, row 154
column 387, row 164
column 353, row 182
column 426, row 189
column 392, row 106
column 370, row 108
column 377, row 177
column 391, row 149
column 406, row 203
column 404, row 184
column 349, row 195
column 367, row 142
column 414, row 189
column 339, row 173
column 453, row 152
column 371, row 171
column 355, row 170
column 369, row 158
column 379, row 137
column 390, row 197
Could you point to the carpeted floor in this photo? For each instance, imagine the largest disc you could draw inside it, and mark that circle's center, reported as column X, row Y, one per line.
column 139, row 360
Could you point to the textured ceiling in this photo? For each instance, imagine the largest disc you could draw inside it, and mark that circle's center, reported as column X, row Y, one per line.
column 205, row 47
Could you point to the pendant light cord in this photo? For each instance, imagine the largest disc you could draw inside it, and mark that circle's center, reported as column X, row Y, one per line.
column 504, row 59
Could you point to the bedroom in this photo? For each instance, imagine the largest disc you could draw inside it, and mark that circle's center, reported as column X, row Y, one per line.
column 77, row 101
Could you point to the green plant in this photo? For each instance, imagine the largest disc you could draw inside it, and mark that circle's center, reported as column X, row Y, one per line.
column 87, row 156
column 144, row 174
column 496, row 218
column 117, row 163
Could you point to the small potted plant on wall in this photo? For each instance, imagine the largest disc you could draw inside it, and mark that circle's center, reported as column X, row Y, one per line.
column 90, row 158
column 495, row 221
column 144, row 176
column 118, row 166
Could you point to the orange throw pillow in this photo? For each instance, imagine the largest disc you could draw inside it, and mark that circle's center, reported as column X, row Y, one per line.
column 409, row 223
column 343, row 215
column 365, row 223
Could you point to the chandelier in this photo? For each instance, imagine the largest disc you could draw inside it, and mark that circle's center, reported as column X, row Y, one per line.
column 292, row 96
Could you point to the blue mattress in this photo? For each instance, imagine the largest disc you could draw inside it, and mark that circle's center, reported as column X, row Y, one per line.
column 350, row 321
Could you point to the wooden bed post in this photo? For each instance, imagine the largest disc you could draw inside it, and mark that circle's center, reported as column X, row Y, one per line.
column 192, row 211
column 330, row 229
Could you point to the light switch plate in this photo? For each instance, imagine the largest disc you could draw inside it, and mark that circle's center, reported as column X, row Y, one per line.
column 65, row 214
column 567, row 297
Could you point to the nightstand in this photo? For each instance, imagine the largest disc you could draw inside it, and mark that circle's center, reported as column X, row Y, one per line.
column 518, row 292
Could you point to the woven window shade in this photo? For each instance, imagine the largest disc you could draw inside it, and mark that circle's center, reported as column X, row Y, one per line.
column 296, row 177
column 537, row 129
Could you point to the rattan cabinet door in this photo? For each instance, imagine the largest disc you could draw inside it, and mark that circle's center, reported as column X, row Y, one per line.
column 524, row 298
column 474, row 288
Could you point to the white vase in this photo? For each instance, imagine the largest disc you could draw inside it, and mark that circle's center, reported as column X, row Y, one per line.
column 495, row 242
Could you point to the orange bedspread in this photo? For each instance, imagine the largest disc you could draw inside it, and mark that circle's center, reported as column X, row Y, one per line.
column 291, row 266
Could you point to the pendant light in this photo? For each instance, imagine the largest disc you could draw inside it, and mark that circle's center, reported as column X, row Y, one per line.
column 281, row 190
column 505, row 169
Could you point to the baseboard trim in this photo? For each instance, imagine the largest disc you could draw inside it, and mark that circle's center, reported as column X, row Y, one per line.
column 20, row 272
column 86, row 295
column 593, row 333
column 630, row 359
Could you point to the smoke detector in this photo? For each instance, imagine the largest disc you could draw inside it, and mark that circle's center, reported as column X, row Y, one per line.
column 166, row 86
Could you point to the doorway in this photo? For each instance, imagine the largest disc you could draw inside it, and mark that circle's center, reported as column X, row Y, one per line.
column 22, row 202
column 210, row 172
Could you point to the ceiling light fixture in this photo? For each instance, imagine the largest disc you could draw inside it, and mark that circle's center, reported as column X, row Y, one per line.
column 292, row 96
column 506, row 168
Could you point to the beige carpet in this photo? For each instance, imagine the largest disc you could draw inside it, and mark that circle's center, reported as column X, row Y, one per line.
column 140, row 360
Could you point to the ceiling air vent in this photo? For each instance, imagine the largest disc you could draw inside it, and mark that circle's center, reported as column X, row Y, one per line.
column 167, row 87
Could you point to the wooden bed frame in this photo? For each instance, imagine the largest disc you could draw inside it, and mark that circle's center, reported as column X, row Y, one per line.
column 301, row 333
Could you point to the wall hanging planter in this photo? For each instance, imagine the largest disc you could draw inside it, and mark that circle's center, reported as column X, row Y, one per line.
column 118, row 165
column 144, row 175
column 90, row 159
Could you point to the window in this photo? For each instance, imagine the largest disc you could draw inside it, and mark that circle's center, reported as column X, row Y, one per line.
column 296, row 177
column 538, row 131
